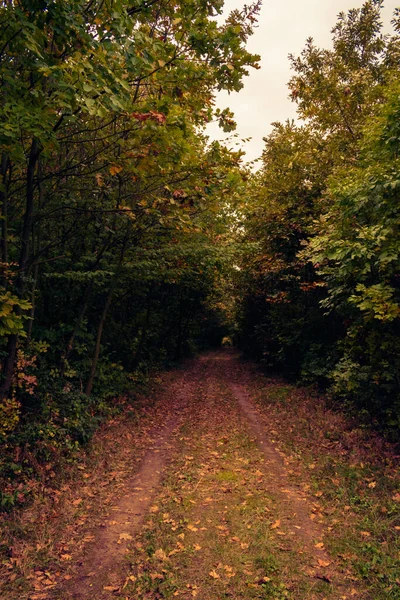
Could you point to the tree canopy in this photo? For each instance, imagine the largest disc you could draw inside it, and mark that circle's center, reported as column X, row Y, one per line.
column 320, row 296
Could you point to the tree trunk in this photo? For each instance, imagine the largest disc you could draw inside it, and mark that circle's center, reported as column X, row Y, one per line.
column 33, row 302
column 4, row 211
column 178, row 349
column 36, row 267
column 107, row 305
column 71, row 342
column 84, row 307
column 12, row 343
column 96, row 354
column 144, row 332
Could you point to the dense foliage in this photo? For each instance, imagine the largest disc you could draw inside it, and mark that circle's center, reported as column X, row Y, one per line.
column 321, row 290
column 110, row 200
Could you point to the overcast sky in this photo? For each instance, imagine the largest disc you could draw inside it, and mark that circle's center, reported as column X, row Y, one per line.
column 283, row 29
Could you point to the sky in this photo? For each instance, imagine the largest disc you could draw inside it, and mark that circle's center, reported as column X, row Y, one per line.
column 283, row 28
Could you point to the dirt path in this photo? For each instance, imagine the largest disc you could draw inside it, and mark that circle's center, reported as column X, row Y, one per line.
column 223, row 519
column 295, row 509
column 213, row 510
column 101, row 570
column 103, row 566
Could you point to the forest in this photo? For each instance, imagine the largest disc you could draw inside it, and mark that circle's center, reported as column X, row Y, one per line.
column 199, row 355
column 130, row 240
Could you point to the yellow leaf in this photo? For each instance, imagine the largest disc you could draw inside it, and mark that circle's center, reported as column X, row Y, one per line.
column 323, row 563
column 276, row 524
column 154, row 509
column 160, row 554
column 365, row 534
column 66, row 557
column 115, row 169
column 214, row 574
column 372, row 485
column 192, row 528
column 111, row 588
column 128, row 579
column 197, row 547
column 99, row 179
column 124, row 536
column 320, row 545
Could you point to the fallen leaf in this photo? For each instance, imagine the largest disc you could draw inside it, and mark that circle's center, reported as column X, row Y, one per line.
column 323, row 563
column 276, row 524
column 124, row 536
column 160, row 554
column 320, row 545
column 128, row 579
column 111, row 588
column 154, row 509
column 214, row 574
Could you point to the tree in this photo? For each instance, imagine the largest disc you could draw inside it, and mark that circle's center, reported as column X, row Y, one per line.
column 102, row 98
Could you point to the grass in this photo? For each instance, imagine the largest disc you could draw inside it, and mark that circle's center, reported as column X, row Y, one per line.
column 353, row 474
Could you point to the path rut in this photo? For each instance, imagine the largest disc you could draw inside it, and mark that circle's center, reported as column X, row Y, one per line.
column 102, row 569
